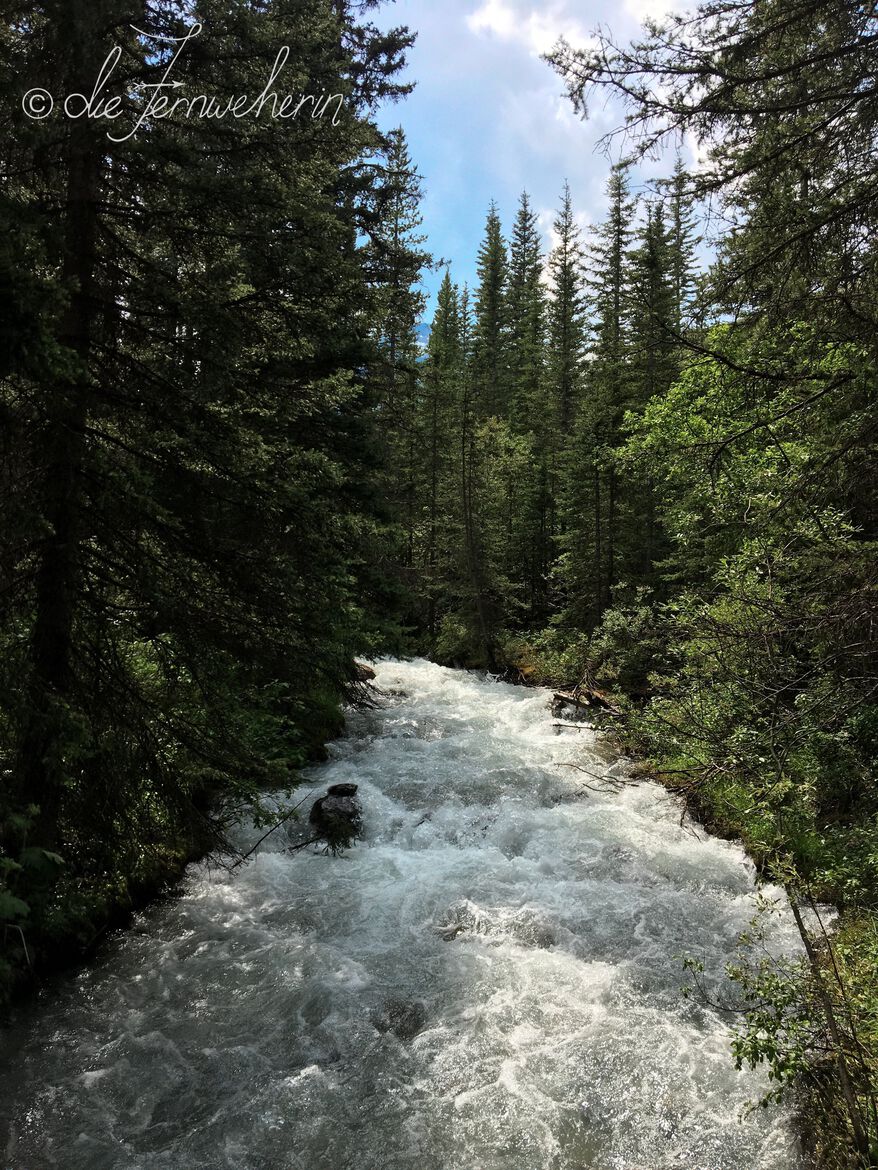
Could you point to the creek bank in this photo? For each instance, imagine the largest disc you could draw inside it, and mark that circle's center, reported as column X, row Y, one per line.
column 93, row 911
column 849, row 945
column 29, row 962
column 818, row 1094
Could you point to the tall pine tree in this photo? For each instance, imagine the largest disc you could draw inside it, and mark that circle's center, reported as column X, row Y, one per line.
column 490, row 370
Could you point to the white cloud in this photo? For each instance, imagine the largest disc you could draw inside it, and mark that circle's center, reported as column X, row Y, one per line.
column 698, row 152
column 545, row 220
column 536, row 29
column 656, row 9
column 490, row 119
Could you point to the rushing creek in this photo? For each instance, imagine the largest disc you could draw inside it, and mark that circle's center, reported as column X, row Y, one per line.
column 489, row 980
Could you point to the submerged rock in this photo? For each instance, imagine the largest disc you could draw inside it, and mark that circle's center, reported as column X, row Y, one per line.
column 462, row 918
column 404, row 1018
column 523, row 926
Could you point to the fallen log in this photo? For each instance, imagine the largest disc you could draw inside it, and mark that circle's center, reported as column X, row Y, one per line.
column 583, row 698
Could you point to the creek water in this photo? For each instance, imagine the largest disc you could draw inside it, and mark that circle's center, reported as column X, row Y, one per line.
column 489, row 980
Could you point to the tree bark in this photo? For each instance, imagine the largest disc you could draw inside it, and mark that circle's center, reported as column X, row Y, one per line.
column 51, row 685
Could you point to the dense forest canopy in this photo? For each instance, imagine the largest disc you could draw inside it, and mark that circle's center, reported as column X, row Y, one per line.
column 191, row 500
column 228, row 463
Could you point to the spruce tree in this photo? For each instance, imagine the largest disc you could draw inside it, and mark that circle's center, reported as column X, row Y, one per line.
column 564, row 374
column 477, row 596
column 653, row 364
column 394, row 261
column 566, row 318
column 529, row 417
column 490, row 371
column 683, row 242
column 588, row 566
column 441, row 377
column 525, row 315
column 653, row 353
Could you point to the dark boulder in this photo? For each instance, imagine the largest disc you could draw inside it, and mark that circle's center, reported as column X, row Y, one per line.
column 342, row 790
column 363, row 673
column 404, row 1018
column 337, row 817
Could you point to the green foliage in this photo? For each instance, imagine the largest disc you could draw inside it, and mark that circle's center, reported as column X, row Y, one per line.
column 557, row 657
column 525, row 319
column 455, row 645
column 755, row 457
column 629, row 649
column 566, row 321
column 12, row 909
column 516, row 509
column 190, row 455
column 490, row 326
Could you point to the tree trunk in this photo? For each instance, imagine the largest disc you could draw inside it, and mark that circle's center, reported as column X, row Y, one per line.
column 611, row 537
column 598, row 546
column 51, row 678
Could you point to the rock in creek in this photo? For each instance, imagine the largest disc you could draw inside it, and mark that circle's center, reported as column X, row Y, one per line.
column 522, row 926
column 404, row 1018
column 337, row 816
column 362, row 672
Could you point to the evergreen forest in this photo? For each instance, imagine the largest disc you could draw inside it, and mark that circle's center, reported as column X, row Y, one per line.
column 637, row 464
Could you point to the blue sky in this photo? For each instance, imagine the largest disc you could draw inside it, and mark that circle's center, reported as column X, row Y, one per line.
column 489, row 119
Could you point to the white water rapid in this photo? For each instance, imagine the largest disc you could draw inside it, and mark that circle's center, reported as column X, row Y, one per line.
column 489, row 980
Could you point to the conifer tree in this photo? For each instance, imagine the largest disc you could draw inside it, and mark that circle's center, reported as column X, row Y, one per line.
column 564, row 371
column 588, row 565
column 441, row 376
column 530, row 529
column 653, row 364
column 490, row 371
column 566, row 331
column 477, row 600
column 525, row 315
column 683, row 242
column 654, row 306
column 395, row 260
